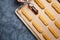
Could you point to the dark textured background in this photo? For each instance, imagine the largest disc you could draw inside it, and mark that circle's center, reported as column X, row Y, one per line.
column 11, row 28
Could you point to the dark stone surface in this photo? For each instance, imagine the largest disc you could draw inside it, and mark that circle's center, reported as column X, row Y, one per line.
column 11, row 27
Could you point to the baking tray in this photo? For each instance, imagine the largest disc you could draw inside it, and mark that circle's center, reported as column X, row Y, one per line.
column 29, row 25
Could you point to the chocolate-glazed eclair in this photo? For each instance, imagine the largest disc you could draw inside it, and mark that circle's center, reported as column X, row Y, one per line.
column 30, row 6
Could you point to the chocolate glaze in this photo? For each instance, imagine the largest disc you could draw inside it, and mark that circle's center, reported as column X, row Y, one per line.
column 58, row 1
